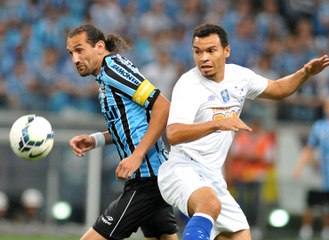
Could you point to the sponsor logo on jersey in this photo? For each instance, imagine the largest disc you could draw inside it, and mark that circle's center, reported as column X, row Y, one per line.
column 107, row 220
column 225, row 95
column 125, row 74
column 211, row 98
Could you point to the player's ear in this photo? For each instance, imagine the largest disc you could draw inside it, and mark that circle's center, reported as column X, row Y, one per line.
column 100, row 46
column 227, row 51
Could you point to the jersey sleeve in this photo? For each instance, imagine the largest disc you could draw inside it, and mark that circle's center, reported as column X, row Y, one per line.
column 313, row 140
column 124, row 77
column 257, row 84
column 184, row 106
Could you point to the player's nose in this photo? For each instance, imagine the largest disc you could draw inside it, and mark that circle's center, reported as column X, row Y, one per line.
column 75, row 58
column 204, row 57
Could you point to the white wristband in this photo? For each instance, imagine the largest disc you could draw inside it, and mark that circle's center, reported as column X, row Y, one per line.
column 100, row 140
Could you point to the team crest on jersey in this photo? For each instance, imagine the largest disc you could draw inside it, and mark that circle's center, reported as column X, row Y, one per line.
column 225, row 96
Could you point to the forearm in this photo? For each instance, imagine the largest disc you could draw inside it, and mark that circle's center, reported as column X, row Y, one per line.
column 108, row 139
column 181, row 133
column 285, row 86
column 289, row 84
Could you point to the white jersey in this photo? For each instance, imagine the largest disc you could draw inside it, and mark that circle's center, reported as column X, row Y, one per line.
column 197, row 99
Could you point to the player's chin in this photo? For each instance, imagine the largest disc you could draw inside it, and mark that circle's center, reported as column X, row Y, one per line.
column 83, row 73
column 208, row 74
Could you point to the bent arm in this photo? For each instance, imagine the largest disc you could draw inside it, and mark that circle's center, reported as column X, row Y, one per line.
column 181, row 133
column 284, row 87
column 157, row 124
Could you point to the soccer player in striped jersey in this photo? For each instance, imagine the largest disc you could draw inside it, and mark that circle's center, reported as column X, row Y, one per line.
column 317, row 142
column 204, row 114
column 136, row 115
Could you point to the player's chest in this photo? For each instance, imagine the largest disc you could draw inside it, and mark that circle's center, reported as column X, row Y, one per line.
column 219, row 103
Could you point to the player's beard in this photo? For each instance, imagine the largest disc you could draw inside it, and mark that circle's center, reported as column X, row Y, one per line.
column 209, row 75
column 83, row 72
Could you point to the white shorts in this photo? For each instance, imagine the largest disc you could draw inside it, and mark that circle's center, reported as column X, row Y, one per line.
column 180, row 176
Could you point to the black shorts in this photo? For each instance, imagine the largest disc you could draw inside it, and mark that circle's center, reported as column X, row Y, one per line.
column 317, row 197
column 140, row 205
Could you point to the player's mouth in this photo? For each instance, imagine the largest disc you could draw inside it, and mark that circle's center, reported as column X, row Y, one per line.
column 206, row 68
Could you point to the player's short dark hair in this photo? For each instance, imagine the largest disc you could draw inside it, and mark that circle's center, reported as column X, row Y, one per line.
column 207, row 29
column 113, row 43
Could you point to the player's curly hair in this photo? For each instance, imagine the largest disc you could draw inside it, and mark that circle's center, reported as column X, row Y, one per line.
column 113, row 43
column 207, row 29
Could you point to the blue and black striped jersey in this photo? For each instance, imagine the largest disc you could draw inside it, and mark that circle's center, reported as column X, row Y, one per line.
column 126, row 100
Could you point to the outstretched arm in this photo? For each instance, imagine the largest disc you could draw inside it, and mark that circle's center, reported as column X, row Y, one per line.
column 284, row 87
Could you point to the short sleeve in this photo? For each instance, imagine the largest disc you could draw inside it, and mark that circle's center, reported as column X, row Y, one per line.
column 184, row 104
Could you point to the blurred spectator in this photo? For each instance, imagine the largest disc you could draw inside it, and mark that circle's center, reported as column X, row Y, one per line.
column 48, row 30
column 318, row 139
column 48, row 78
column 239, row 10
column 305, row 34
column 248, row 169
column 264, row 66
column 296, row 9
column 190, row 14
column 216, row 12
column 21, row 88
column 155, row 20
column 292, row 30
column 107, row 15
column 143, row 48
column 162, row 72
column 181, row 52
column 4, row 98
column 3, row 205
column 32, row 201
column 269, row 22
column 80, row 94
column 321, row 22
column 245, row 48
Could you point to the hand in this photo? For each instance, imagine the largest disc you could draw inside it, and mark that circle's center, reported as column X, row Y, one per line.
column 127, row 167
column 81, row 144
column 315, row 66
column 233, row 124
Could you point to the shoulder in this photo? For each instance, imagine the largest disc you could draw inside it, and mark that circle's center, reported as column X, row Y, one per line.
column 191, row 77
column 321, row 123
column 113, row 59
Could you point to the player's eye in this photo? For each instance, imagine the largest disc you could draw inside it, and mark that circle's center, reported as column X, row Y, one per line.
column 197, row 52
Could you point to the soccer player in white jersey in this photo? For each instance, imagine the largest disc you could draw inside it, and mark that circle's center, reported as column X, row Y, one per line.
column 204, row 114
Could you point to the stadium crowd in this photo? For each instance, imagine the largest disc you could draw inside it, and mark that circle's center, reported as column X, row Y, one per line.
column 273, row 37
